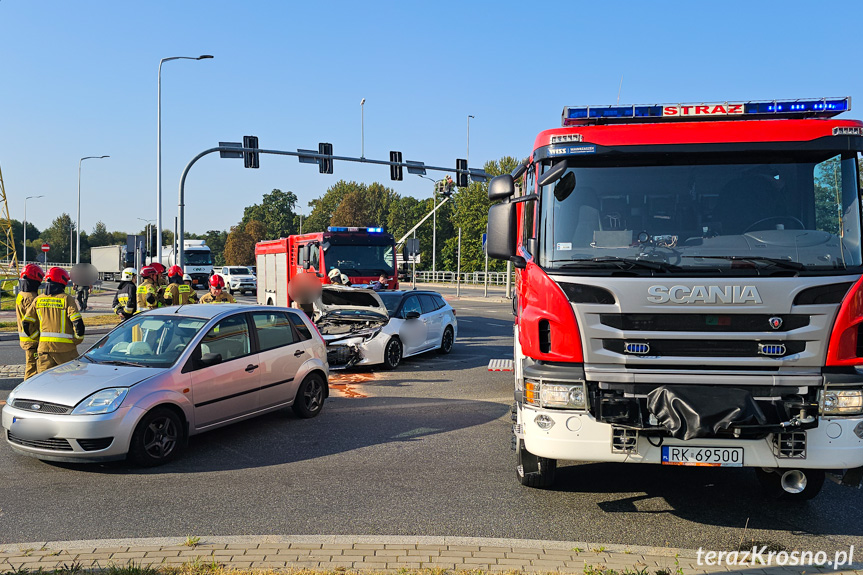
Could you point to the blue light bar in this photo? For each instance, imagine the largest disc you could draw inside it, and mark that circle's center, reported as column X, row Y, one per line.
column 822, row 108
column 355, row 229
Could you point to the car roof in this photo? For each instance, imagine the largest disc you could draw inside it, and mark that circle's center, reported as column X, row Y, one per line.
column 209, row 311
column 409, row 292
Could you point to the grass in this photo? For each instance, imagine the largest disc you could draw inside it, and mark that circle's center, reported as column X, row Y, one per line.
column 89, row 321
column 191, row 541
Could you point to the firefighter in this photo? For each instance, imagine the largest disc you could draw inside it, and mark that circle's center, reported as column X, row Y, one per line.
column 148, row 295
column 28, row 289
column 126, row 300
column 161, row 282
column 176, row 292
column 216, row 293
column 54, row 316
column 193, row 295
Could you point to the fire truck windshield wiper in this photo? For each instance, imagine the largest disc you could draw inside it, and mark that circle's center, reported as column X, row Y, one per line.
column 623, row 263
column 778, row 262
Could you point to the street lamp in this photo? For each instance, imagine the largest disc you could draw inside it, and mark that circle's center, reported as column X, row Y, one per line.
column 25, row 227
column 468, row 140
column 149, row 234
column 78, row 216
column 159, row 147
column 363, row 129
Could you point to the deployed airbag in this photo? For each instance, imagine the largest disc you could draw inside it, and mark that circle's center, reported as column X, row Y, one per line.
column 690, row 411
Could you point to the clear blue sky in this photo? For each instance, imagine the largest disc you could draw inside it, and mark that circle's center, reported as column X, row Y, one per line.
column 79, row 79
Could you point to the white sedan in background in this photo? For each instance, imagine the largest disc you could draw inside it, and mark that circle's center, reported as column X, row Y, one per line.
column 363, row 327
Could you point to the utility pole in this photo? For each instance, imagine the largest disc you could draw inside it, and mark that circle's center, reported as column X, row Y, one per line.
column 458, row 267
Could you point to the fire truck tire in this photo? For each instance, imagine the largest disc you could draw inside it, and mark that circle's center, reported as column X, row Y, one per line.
column 809, row 481
column 393, row 353
column 534, row 471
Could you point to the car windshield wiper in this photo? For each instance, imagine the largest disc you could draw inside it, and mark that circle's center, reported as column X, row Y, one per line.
column 120, row 362
column 778, row 262
column 623, row 263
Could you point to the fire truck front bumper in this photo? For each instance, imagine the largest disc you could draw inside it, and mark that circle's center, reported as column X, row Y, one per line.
column 836, row 443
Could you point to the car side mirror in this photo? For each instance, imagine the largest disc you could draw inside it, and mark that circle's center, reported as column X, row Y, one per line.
column 412, row 315
column 210, row 359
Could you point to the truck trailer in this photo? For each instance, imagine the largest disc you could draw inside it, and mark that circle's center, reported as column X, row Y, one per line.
column 688, row 290
column 110, row 261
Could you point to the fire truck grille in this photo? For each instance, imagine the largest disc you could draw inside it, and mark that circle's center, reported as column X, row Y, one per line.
column 624, row 440
column 790, row 445
column 700, row 348
column 710, row 323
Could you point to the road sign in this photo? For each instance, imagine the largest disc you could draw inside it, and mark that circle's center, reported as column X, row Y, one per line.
column 45, row 247
column 224, row 154
column 484, row 238
column 413, row 246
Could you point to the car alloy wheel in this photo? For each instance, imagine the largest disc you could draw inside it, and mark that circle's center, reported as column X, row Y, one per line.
column 393, row 353
column 310, row 397
column 447, row 341
column 157, row 438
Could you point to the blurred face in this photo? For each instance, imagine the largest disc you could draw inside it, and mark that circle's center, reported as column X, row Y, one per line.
column 215, row 290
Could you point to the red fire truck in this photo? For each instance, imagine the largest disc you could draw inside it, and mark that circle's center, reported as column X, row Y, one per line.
column 689, row 290
column 362, row 254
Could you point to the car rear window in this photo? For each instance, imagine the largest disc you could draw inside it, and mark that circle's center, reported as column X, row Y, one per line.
column 440, row 301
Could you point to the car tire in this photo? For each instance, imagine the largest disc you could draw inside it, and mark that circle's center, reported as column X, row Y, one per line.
column 771, row 483
column 447, row 341
column 532, row 470
column 310, row 396
column 157, row 439
column 393, row 353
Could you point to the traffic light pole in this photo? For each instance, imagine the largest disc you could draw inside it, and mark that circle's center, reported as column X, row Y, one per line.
column 308, row 157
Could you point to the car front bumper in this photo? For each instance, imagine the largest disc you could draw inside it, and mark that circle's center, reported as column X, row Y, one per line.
column 70, row 438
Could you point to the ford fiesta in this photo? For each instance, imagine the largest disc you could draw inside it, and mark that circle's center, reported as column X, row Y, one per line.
column 165, row 375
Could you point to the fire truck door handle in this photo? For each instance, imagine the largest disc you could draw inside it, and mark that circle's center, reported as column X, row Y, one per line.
column 298, row 353
column 251, row 367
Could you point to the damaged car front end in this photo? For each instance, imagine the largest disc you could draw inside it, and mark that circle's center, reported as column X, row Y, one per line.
column 350, row 321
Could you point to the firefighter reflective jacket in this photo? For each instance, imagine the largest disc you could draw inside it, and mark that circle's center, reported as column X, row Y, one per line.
column 58, row 321
column 178, row 294
column 126, row 299
column 221, row 298
column 148, row 296
column 22, row 303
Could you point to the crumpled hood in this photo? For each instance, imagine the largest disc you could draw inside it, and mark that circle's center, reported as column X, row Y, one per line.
column 345, row 301
column 72, row 382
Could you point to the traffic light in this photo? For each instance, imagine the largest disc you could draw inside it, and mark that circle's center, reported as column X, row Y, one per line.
column 251, row 159
column 461, row 177
column 325, row 166
column 396, row 171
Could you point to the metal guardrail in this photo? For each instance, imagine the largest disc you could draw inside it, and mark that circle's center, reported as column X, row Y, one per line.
column 467, row 278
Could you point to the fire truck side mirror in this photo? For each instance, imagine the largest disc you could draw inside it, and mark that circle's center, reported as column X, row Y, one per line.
column 553, row 174
column 501, row 230
column 305, row 256
column 501, row 187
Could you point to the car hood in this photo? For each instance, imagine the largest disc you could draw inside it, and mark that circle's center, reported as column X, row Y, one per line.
column 243, row 278
column 346, row 301
column 72, row 382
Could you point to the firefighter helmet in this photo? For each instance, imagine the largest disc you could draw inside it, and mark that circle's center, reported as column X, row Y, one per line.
column 217, row 282
column 32, row 272
column 175, row 271
column 58, row 275
column 149, row 272
column 187, row 278
column 128, row 275
column 160, row 269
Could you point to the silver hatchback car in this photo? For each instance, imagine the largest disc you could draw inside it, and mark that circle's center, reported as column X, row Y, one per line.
column 165, row 375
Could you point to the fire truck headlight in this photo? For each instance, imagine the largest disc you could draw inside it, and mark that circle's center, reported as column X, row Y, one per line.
column 531, row 391
column 562, row 395
column 842, row 402
column 544, row 422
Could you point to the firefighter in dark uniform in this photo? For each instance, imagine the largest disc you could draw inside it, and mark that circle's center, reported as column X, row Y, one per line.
column 193, row 295
column 28, row 289
column 148, row 295
column 216, row 293
column 55, row 316
column 176, row 292
column 126, row 299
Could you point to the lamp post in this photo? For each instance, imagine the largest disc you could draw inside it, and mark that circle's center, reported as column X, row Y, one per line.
column 159, row 146
column 468, row 140
column 25, row 227
column 78, row 216
column 363, row 129
column 148, row 232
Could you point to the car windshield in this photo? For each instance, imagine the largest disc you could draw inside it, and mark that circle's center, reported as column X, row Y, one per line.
column 356, row 260
column 240, row 271
column 796, row 212
column 391, row 301
column 146, row 341
column 197, row 258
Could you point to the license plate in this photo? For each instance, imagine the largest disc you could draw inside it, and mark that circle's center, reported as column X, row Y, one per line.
column 702, row 456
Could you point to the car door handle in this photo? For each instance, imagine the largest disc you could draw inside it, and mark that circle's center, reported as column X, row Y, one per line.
column 298, row 353
column 251, row 367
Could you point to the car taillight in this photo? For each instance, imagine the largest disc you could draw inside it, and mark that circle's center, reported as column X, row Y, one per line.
column 843, row 348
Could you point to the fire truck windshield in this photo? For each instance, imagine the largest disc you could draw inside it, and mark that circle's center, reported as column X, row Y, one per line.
column 360, row 260
column 730, row 213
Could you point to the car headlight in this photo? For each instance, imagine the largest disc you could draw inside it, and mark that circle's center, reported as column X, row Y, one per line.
column 12, row 393
column 842, row 402
column 371, row 334
column 560, row 395
column 104, row 401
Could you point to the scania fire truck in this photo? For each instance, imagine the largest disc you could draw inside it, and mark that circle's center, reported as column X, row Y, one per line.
column 360, row 253
column 688, row 290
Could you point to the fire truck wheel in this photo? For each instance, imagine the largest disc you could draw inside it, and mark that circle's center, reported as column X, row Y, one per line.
column 446, row 341
column 393, row 353
column 534, row 471
column 790, row 484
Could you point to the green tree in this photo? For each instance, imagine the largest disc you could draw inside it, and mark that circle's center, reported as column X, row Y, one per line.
column 100, row 235
column 18, row 235
column 239, row 248
column 59, row 236
column 324, row 207
column 275, row 212
column 256, row 230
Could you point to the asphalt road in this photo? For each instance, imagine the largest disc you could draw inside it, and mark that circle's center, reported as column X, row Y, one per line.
column 424, row 450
